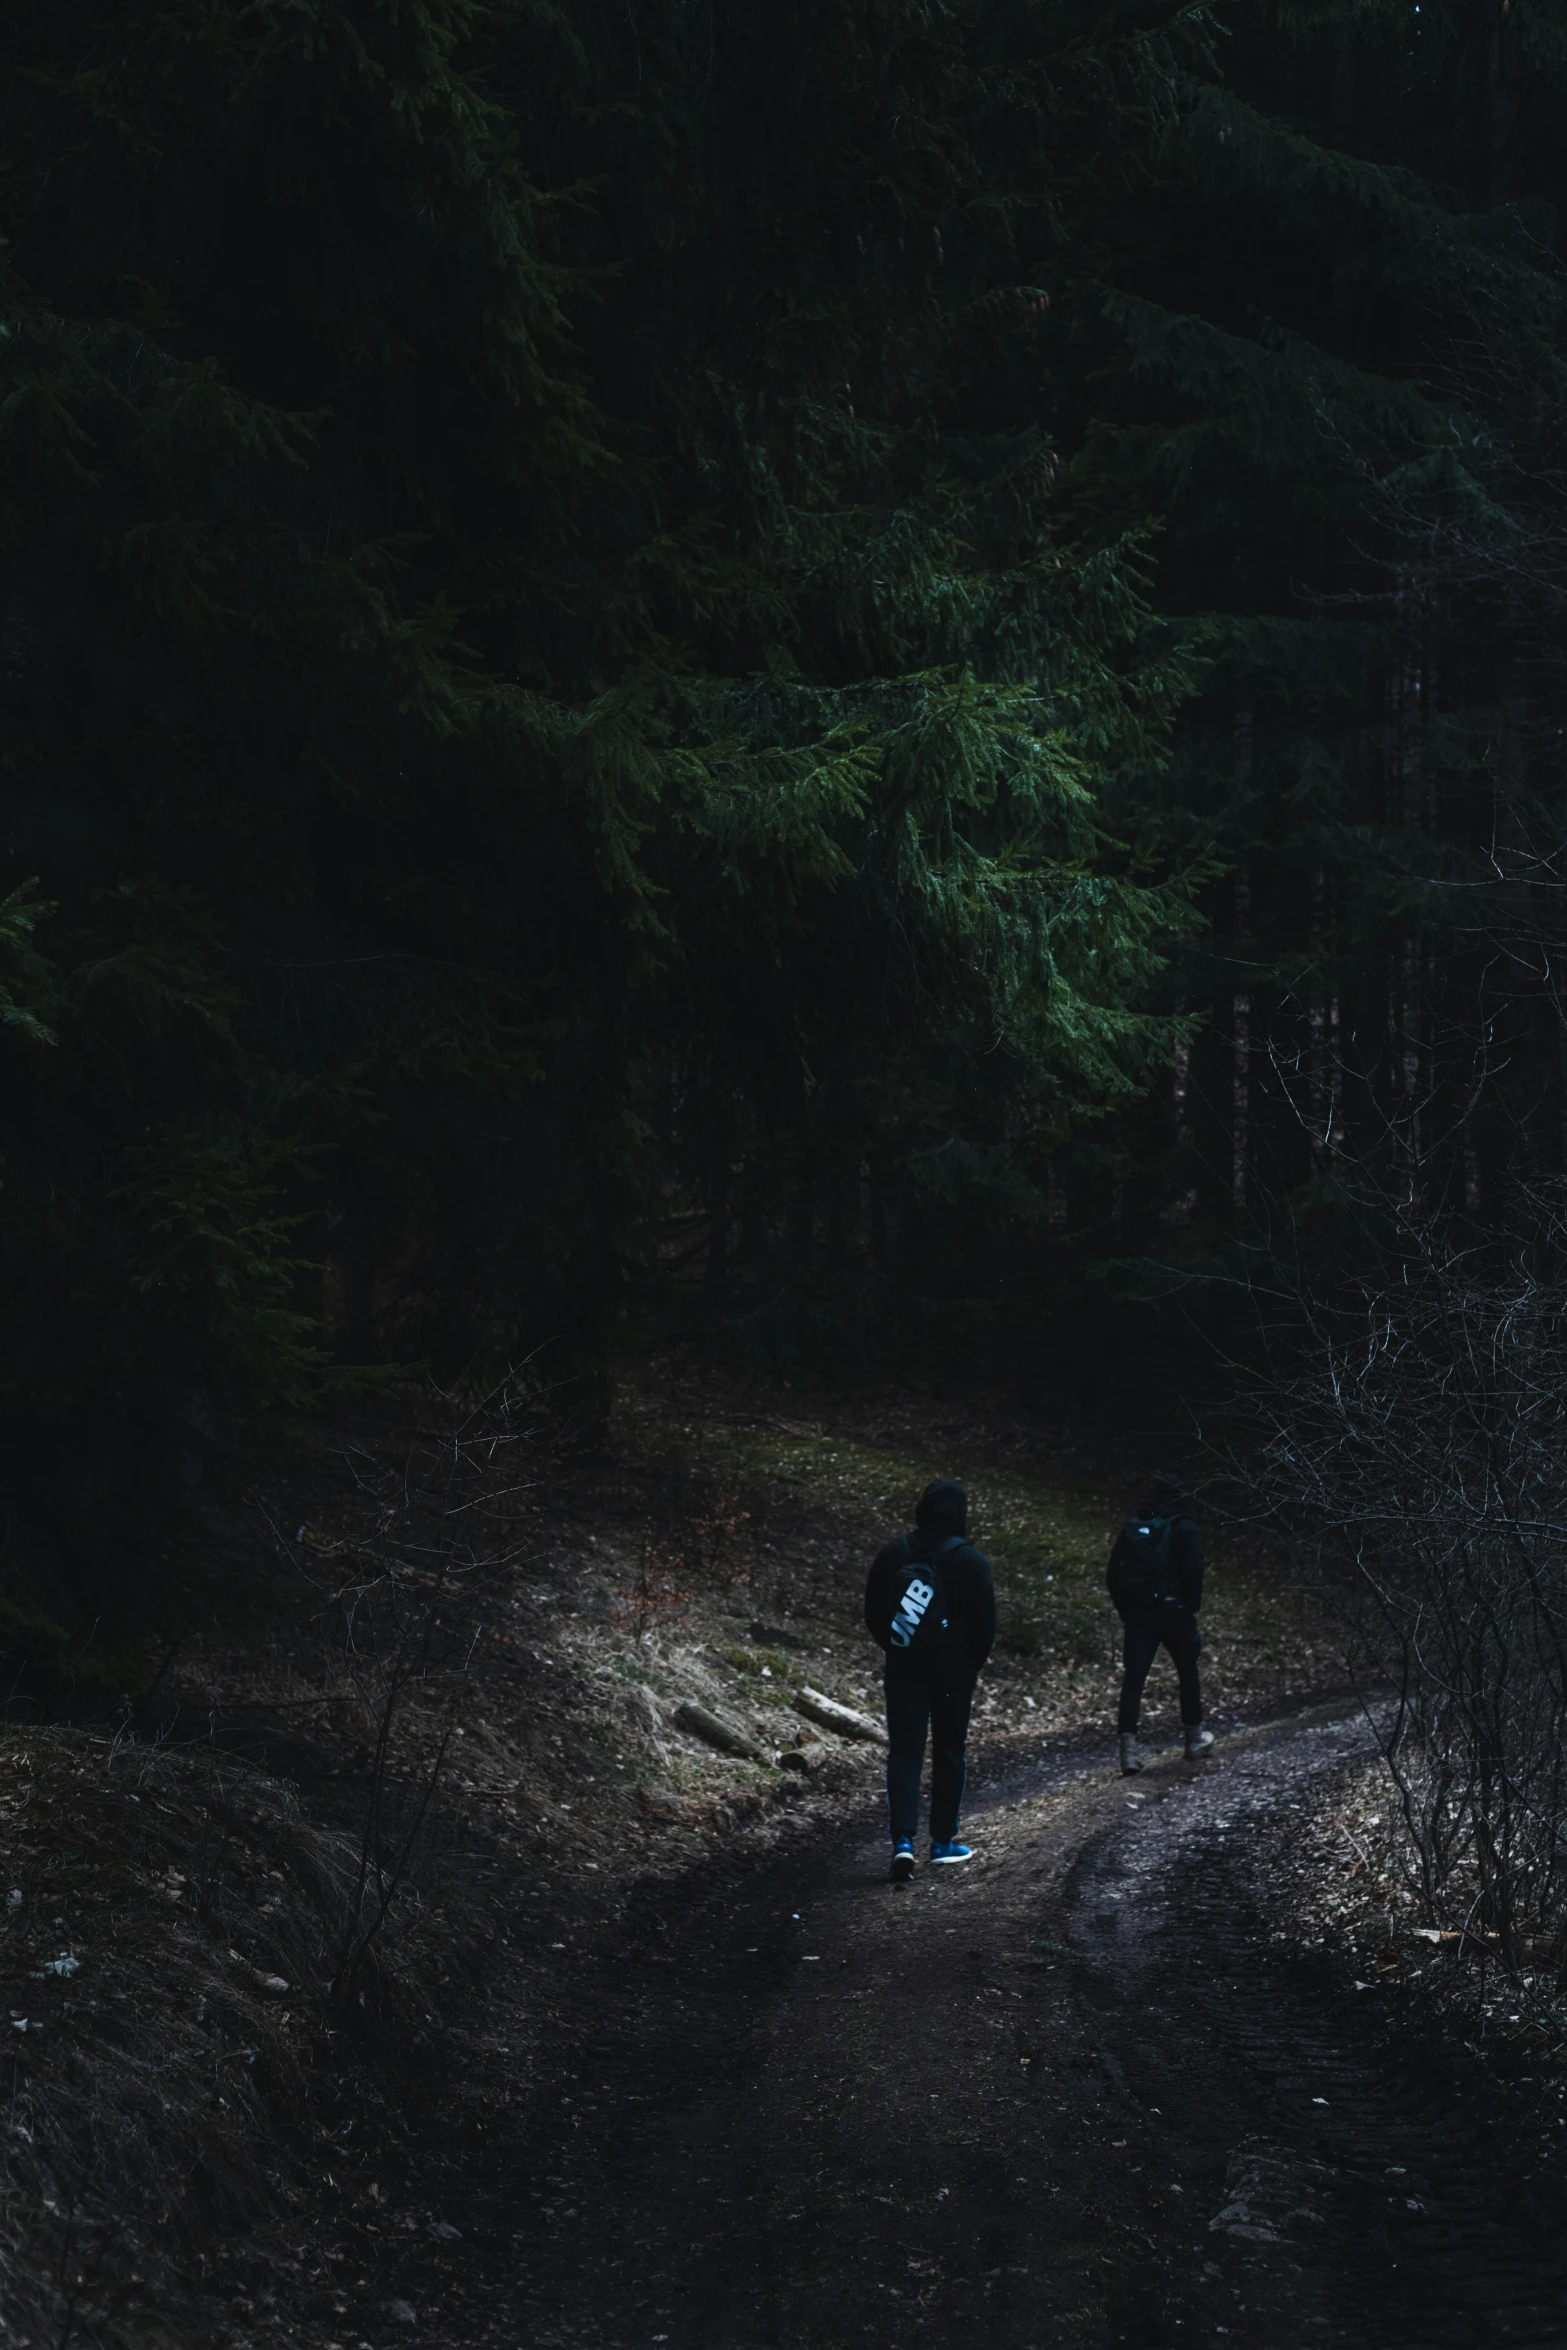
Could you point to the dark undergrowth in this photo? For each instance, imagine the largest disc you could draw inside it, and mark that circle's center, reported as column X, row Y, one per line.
column 307, row 1958
column 191, row 2101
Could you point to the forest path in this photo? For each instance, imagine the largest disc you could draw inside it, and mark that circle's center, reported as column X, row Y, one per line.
column 1079, row 2092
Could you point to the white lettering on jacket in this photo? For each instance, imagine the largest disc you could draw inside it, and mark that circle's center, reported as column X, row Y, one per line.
column 911, row 1607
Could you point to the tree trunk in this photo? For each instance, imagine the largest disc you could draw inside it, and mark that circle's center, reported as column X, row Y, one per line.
column 1502, row 98
column 1240, row 1005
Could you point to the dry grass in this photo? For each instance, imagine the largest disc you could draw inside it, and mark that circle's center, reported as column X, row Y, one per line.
column 321, row 1955
column 1046, row 1529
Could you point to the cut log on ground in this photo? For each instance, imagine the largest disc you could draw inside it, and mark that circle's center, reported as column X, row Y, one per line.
column 833, row 1716
column 728, row 1737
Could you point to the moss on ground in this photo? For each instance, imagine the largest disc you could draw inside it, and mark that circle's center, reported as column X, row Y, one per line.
column 1048, row 1537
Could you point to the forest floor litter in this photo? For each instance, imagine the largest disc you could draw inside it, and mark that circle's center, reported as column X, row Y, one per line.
column 322, row 1971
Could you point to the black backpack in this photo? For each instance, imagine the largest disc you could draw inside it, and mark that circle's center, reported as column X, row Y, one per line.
column 920, row 1613
column 1142, row 1566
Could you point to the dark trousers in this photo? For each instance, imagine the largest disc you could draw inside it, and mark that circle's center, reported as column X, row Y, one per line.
column 1141, row 1646
column 941, row 1710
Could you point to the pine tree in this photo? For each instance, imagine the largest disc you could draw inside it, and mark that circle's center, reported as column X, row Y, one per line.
column 1326, row 345
column 543, row 680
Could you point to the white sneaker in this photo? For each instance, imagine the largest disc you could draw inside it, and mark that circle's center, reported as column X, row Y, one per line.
column 1198, row 1742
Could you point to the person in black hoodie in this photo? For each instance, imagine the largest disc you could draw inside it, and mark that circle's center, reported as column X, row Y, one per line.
column 931, row 1604
column 1167, row 1619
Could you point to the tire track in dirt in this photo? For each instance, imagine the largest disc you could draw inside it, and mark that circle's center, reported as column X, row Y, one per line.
column 1358, row 2204
column 1070, row 2095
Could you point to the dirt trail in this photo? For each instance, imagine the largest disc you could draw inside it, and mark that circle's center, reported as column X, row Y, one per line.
column 1073, row 2094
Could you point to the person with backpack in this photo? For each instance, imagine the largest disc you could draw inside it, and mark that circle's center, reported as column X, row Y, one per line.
column 1155, row 1580
column 931, row 1604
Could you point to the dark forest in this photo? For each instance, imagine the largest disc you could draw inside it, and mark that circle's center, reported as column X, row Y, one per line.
column 825, row 674
column 717, row 710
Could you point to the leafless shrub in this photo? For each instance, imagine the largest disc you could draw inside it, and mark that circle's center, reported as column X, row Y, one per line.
column 711, row 1545
column 403, row 1578
column 1416, row 1444
column 180, row 1934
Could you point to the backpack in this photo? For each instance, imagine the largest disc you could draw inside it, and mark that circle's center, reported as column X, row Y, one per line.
column 1142, row 1566
column 920, row 1618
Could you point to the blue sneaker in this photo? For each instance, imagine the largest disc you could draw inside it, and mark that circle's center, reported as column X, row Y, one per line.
column 948, row 1855
column 903, row 1860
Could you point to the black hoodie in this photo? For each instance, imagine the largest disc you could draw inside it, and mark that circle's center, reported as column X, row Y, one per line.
column 943, row 1510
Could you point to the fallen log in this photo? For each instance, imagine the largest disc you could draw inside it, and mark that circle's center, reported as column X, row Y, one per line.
column 833, row 1716
column 727, row 1736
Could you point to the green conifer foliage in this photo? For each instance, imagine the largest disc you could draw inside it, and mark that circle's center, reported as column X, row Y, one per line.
column 544, row 687
column 1339, row 329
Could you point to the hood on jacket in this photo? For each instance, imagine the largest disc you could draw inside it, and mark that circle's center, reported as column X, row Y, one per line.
column 943, row 1508
column 1167, row 1496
